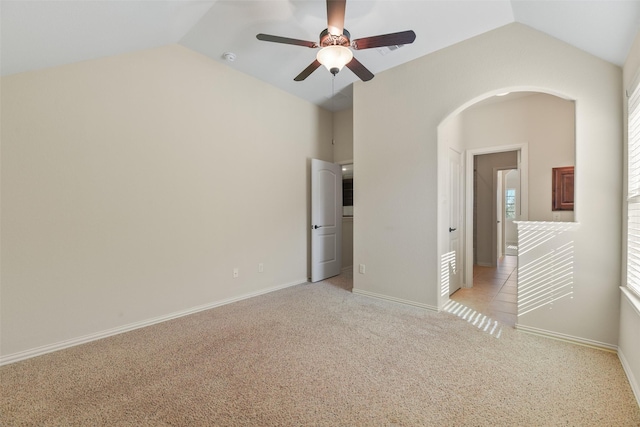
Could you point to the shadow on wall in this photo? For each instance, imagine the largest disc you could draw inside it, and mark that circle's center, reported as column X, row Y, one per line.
column 545, row 265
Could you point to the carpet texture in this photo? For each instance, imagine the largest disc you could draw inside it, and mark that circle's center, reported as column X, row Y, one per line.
column 316, row 354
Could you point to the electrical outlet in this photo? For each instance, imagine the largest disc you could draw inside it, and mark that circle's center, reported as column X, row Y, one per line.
column 362, row 269
column 236, row 272
column 260, row 268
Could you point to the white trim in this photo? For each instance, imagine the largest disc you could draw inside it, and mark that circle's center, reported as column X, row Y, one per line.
column 633, row 299
column 568, row 338
column 523, row 168
column 49, row 348
column 635, row 387
column 546, row 226
column 347, row 269
column 394, row 299
column 634, row 302
column 635, row 81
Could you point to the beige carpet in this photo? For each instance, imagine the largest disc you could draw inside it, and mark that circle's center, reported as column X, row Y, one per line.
column 315, row 354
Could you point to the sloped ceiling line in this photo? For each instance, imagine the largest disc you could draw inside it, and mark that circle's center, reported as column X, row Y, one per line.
column 40, row 34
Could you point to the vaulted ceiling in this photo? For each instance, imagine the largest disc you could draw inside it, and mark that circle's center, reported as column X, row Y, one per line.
column 39, row 34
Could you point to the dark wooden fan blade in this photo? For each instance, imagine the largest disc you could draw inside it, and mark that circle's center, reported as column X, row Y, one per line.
column 307, row 71
column 286, row 40
column 403, row 37
column 335, row 16
column 360, row 70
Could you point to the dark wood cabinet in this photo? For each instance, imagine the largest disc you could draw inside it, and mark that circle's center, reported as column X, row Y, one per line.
column 347, row 192
column 563, row 189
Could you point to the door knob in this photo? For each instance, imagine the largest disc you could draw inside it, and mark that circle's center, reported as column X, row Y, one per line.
column 452, row 229
column 315, row 227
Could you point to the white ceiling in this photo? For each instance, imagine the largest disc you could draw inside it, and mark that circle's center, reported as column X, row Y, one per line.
column 39, row 34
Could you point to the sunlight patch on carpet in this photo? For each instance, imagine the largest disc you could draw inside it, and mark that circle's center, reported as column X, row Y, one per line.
column 479, row 320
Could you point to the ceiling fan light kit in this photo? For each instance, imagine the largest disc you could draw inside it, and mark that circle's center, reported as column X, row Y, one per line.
column 335, row 43
column 334, row 58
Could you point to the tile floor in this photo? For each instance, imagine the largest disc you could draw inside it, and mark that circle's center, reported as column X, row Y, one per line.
column 494, row 291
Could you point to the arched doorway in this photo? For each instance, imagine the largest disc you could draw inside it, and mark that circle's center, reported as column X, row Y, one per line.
column 517, row 123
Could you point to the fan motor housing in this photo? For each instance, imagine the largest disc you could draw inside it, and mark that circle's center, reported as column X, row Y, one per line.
column 327, row 39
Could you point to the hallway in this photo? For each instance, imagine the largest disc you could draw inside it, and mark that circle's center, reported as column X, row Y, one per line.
column 494, row 291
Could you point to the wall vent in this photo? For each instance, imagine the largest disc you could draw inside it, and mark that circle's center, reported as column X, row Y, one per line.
column 386, row 49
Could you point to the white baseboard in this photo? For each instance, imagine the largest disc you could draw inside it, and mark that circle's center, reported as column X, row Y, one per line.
column 348, row 268
column 632, row 379
column 394, row 299
column 38, row 351
column 568, row 338
column 485, row 264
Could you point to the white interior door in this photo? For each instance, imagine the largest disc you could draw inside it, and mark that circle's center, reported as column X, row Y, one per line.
column 326, row 219
column 512, row 206
column 454, row 221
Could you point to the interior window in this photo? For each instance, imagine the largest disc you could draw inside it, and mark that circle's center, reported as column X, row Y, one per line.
column 633, row 197
column 510, row 203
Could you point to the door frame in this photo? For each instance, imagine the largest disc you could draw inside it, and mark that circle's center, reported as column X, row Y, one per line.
column 500, row 185
column 523, row 166
column 499, row 208
column 503, row 218
column 458, row 259
column 348, row 219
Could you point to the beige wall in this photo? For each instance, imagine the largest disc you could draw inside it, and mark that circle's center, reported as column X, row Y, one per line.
column 133, row 185
column 343, row 136
column 629, row 341
column 396, row 120
column 347, row 242
column 546, row 123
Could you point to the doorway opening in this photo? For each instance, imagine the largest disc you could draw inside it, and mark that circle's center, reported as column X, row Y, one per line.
column 347, row 217
column 509, row 191
column 496, row 196
column 490, row 172
column 489, row 188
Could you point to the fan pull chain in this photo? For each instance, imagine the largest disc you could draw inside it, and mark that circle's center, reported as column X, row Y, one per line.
column 333, row 92
column 333, row 96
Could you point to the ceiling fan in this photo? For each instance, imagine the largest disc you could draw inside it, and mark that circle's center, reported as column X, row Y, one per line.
column 335, row 43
